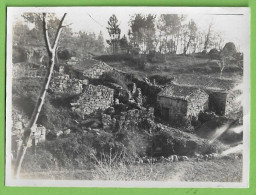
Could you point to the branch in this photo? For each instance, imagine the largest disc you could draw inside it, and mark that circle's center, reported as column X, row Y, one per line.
column 67, row 25
column 46, row 35
column 57, row 36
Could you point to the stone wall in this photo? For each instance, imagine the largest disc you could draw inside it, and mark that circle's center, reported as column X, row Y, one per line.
column 92, row 99
column 63, row 84
column 233, row 103
column 148, row 90
column 180, row 112
column 197, row 103
column 173, row 110
column 23, row 70
column 130, row 120
column 19, row 123
column 97, row 70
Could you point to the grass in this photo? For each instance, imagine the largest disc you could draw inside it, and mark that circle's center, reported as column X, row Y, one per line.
column 216, row 170
column 178, row 64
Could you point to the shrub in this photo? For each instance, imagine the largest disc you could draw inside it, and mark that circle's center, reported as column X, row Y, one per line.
column 42, row 160
column 19, row 54
column 172, row 141
column 114, row 77
column 214, row 54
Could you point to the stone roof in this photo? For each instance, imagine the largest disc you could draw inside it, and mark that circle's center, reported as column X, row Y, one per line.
column 205, row 82
column 178, row 92
column 91, row 68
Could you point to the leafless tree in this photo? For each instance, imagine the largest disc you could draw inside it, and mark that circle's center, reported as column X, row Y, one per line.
column 221, row 63
column 208, row 37
column 51, row 50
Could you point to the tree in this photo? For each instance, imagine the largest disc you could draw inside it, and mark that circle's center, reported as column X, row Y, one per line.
column 51, row 50
column 189, row 35
column 208, row 36
column 124, row 44
column 226, row 56
column 169, row 26
column 114, row 32
column 100, row 43
column 20, row 32
column 143, row 31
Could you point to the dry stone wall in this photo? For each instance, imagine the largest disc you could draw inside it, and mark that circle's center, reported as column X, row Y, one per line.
column 233, row 103
column 93, row 99
column 129, row 120
column 63, row 84
column 97, row 70
column 19, row 123
column 197, row 102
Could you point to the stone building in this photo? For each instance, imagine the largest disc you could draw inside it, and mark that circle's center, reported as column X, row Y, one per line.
column 179, row 105
column 223, row 93
column 93, row 99
column 225, row 103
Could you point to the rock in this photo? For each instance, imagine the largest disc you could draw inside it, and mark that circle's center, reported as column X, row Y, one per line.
column 67, row 132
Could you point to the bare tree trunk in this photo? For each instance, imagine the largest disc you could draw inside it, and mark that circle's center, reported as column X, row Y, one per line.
column 27, row 132
column 207, row 37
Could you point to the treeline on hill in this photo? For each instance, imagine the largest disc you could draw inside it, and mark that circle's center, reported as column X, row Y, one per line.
column 166, row 33
column 80, row 42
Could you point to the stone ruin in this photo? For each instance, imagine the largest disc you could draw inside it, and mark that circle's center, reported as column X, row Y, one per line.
column 92, row 99
column 97, row 70
column 129, row 120
column 38, row 132
column 21, row 70
column 63, row 84
column 135, row 95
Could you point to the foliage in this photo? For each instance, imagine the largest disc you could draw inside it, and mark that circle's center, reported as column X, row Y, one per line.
column 169, row 26
column 214, row 54
column 31, row 38
column 114, row 32
column 171, row 141
column 53, row 116
column 143, row 32
column 114, row 77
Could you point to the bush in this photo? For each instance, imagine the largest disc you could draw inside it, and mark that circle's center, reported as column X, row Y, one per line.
column 114, row 77
column 42, row 160
column 55, row 114
column 66, row 54
column 76, row 150
column 19, row 54
column 172, row 141
column 214, row 54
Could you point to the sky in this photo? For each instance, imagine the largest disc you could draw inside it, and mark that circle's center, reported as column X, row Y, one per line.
column 233, row 23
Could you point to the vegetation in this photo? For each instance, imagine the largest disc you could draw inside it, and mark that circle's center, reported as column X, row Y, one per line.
column 154, row 51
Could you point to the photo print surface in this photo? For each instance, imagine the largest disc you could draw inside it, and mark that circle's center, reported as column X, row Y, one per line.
column 127, row 96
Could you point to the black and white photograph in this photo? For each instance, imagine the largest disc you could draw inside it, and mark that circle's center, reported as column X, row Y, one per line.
column 128, row 97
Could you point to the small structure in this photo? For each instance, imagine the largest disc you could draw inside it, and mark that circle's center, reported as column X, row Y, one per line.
column 223, row 94
column 179, row 105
